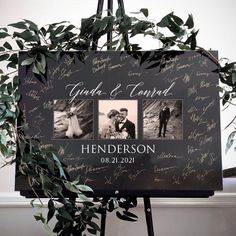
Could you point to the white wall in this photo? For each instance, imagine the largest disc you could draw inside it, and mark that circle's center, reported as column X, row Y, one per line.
column 216, row 21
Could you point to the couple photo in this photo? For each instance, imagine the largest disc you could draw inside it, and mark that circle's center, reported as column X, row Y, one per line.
column 117, row 124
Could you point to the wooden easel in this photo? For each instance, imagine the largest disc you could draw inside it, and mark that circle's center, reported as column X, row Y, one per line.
column 147, row 204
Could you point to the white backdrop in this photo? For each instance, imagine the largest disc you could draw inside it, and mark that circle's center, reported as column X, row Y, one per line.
column 215, row 19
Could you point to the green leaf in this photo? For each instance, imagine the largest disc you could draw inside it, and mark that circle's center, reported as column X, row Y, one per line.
column 43, row 31
column 76, row 181
column 3, row 149
column 58, row 23
column 164, row 21
column 2, row 49
column 3, row 139
column 69, row 28
column 40, row 67
column 11, row 65
column 3, row 35
column 20, row 44
column 1, row 71
column 65, row 215
column 19, row 25
column 32, row 25
column 32, row 202
column 124, row 217
column 50, row 204
column 91, row 214
column 4, row 57
column 175, row 28
column 183, row 47
column 225, row 99
column 39, row 217
column 51, row 211
column 227, row 67
column 130, row 214
column 16, row 81
column 230, row 141
column 87, row 25
column 177, row 20
column 4, row 29
column 35, row 70
column 234, row 77
column 144, row 11
column 92, row 231
column 58, row 30
column 93, row 225
column 38, row 204
column 43, row 61
column 27, row 35
column 144, row 57
column 192, row 40
column 14, row 58
column 7, row 45
column 71, row 187
column 84, row 188
column 118, row 13
column 50, row 163
column 27, row 62
column 189, row 23
column 59, row 166
column 83, row 198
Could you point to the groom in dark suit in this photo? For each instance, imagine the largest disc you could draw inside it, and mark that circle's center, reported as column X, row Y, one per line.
column 164, row 117
column 125, row 125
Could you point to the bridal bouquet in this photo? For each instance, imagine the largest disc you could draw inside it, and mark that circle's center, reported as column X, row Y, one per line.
column 119, row 135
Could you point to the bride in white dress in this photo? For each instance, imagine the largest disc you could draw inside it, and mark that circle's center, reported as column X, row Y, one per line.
column 109, row 131
column 73, row 126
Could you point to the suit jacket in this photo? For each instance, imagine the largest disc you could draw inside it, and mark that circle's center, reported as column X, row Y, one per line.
column 129, row 126
column 164, row 114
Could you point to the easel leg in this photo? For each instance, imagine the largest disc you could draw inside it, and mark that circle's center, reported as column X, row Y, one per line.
column 148, row 214
column 103, row 221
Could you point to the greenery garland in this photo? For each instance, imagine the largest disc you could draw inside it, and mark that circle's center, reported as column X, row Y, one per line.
column 41, row 166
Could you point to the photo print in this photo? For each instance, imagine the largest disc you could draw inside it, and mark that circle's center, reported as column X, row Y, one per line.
column 73, row 120
column 162, row 119
column 118, row 119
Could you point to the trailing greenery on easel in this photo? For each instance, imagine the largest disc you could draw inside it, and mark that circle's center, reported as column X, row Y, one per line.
column 41, row 166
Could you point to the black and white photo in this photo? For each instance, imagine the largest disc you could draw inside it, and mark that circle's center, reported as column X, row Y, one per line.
column 117, row 119
column 162, row 119
column 73, row 120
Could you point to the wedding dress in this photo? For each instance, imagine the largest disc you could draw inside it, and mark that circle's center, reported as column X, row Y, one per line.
column 73, row 126
column 109, row 130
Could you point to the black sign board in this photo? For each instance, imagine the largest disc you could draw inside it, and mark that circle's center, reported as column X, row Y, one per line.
column 129, row 122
